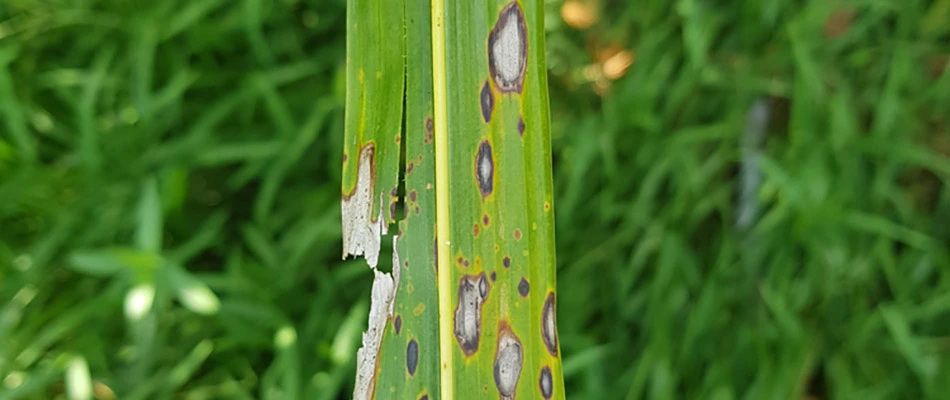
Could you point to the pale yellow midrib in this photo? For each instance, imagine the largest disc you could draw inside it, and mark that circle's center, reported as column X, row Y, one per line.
column 440, row 122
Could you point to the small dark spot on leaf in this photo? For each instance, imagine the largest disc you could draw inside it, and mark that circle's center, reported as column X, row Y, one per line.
column 523, row 287
column 520, row 126
column 412, row 357
column 485, row 169
column 488, row 102
column 506, row 262
column 545, row 383
column 475, row 230
column 465, row 263
column 409, row 167
column 418, row 210
column 397, row 324
column 493, row 276
column 424, row 397
column 517, row 234
column 412, row 196
column 345, row 157
column 429, row 133
column 485, row 219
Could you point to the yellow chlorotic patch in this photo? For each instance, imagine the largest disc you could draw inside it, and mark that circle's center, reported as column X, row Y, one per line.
column 419, row 309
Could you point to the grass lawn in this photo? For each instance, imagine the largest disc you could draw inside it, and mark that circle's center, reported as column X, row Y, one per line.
column 751, row 199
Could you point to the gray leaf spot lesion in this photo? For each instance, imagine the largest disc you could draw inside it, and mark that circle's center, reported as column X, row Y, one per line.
column 508, row 49
column 485, row 169
column 487, row 100
column 508, row 362
column 549, row 325
column 473, row 289
column 546, row 383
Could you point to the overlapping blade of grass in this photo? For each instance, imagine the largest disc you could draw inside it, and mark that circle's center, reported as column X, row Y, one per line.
column 375, row 76
column 409, row 363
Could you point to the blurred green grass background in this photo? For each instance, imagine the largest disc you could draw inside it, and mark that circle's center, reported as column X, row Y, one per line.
column 752, row 199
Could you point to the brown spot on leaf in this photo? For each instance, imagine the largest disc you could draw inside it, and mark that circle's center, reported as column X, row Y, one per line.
column 485, row 219
column 506, row 262
column 937, row 65
column 520, row 126
column 397, row 324
column 413, row 196
column 475, row 230
column 839, row 21
column 517, row 235
column 429, row 124
column 409, row 167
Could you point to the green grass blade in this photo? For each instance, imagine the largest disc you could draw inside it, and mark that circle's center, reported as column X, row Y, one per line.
column 409, row 368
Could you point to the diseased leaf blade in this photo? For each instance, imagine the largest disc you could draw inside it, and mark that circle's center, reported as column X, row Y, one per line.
column 501, row 231
column 473, row 313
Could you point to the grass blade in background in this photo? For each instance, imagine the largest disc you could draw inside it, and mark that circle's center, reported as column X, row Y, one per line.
column 477, row 168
